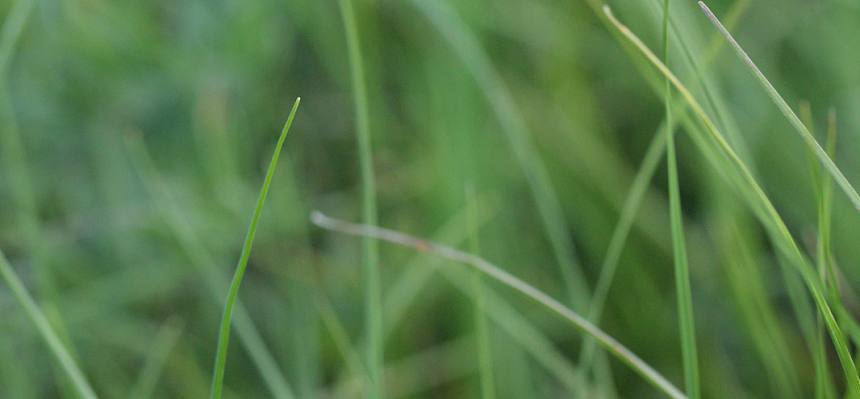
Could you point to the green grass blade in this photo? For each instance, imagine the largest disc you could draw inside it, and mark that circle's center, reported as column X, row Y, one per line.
column 789, row 114
column 485, row 360
column 682, row 269
column 372, row 284
column 233, row 293
column 610, row 344
column 823, row 382
column 513, row 125
column 19, row 291
column 535, row 343
column 157, row 357
column 204, row 263
column 636, row 194
column 739, row 174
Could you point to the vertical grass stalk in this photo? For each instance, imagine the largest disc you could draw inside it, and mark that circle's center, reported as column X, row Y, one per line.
column 719, row 152
column 682, row 271
column 372, row 285
column 233, row 293
column 482, row 335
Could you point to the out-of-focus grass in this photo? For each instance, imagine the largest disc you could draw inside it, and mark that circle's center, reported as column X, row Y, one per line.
column 543, row 106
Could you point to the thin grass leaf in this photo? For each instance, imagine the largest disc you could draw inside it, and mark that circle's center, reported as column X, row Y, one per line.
column 536, row 344
column 823, row 382
column 515, row 129
column 372, row 284
column 204, row 263
column 521, row 330
column 739, row 174
column 636, row 194
column 157, row 357
column 482, row 336
column 58, row 349
column 686, row 319
column 610, row 344
column 233, row 293
column 786, row 110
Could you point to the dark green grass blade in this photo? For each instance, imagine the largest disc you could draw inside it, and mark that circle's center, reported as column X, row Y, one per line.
column 233, row 293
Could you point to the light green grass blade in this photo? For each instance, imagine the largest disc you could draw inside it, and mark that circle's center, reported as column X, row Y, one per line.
column 233, row 293
column 482, row 336
column 157, row 357
column 508, row 319
column 789, row 114
column 823, row 382
column 515, row 129
column 503, row 277
column 340, row 337
column 636, row 194
column 19, row 291
column 734, row 169
column 686, row 320
column 372, row 284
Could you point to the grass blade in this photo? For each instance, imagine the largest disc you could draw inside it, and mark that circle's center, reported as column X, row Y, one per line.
column 157, row 357
column 203, row 261
column 372, row 284
column 513, row 125
column 485, row 360
column 19, row 291
column 682, row 270
column 233, row 293
column 637, row 191
column 786, row 110
column 610, row 344
column 739, row 174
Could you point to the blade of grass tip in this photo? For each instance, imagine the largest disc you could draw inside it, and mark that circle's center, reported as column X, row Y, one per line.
column 610, row 344
column 786, row 110
column 372, row 284
column 233, row 293
column 19, row 291
column 759, row 202
column 485, row 360
column 636, row 194
column 203, row 261
column 682, row 271
column 163, row 344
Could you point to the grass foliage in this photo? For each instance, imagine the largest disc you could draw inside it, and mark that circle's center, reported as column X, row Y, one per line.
column 134, row 137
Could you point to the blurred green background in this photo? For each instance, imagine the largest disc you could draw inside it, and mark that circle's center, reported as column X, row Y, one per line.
column 135, row 137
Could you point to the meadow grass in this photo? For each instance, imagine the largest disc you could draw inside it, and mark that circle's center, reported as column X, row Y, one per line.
column 765, row 209
column 684, row 293
column 233, row 293
column 493, row 271
column 373, row 290
column 484, row 351
column 116, row 253
column 48, row 333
